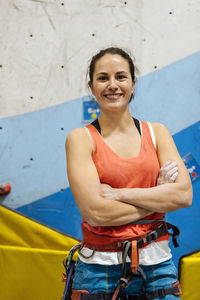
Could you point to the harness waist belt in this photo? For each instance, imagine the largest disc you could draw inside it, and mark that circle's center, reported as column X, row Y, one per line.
column 113, row 244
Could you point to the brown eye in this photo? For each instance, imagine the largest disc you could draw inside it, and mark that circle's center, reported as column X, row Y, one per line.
column 121, row 77
column 102, row 78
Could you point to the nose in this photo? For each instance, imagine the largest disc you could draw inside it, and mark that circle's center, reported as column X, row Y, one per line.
column 112, row 84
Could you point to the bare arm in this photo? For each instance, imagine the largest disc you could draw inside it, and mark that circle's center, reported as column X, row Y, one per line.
column 165, row 197
column 86, row 187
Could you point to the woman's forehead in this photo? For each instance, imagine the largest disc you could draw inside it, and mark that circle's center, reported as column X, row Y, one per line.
column 110, row 61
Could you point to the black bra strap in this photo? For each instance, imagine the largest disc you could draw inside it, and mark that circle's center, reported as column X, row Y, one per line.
column 95, row 123
column 137, row 124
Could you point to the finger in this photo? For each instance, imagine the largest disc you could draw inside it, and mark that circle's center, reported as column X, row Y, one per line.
column 174, row 176
column 169, row 166
column 167, row 163
column 172, row 171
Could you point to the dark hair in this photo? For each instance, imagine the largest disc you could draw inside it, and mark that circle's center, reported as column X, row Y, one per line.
column 111, row 50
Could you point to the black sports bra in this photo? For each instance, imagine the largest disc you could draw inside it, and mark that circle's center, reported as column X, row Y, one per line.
column 95, row 123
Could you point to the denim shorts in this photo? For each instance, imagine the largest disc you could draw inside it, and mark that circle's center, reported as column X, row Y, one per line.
column 103, row 278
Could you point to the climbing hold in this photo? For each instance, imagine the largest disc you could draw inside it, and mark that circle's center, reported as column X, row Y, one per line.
column 5, row 189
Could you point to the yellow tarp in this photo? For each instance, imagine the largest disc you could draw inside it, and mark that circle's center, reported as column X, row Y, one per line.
column 190, row 277
column 31, row 258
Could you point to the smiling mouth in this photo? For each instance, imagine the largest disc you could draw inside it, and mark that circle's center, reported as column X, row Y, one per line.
column 113, row 96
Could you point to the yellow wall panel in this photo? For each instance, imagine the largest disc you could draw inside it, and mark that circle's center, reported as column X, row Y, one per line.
column 31, row 258
column 17, row 230
column 190, row 277
column 31, row 274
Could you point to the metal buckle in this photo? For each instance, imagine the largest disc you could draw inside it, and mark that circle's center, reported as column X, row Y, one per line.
column 152, row 236
column 141, row 242
column 72, row 251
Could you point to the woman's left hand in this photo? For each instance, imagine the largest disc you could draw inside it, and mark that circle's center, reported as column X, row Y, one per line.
column 168, row 173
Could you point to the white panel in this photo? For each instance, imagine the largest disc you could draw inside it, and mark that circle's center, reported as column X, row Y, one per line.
column 46, row 45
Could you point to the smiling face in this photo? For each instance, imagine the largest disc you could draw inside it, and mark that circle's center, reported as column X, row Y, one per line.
column 112, row 84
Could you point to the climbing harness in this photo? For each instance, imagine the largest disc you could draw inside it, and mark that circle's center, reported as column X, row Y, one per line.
column 70, row 265
column 126, row 279
column 130, row 248
column 158, row 229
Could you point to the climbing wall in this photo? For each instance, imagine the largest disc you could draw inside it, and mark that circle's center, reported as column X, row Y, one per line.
column 46, row 45
column 44, row 54
column 188, row 219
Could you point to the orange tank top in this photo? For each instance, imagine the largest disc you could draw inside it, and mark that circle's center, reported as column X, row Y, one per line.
column 135, row 172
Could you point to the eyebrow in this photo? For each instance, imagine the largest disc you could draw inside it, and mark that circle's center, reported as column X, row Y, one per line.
column 104, row 73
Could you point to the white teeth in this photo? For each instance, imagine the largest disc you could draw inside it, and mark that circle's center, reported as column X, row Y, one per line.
column 113, row 96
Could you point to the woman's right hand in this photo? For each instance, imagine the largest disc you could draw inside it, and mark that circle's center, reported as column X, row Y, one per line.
column 168, row 173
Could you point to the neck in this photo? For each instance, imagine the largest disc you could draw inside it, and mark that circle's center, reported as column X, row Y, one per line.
column 115, row 121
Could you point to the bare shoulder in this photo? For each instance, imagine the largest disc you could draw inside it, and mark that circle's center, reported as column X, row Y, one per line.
column 80, row 138
column 159, row 127
column 161, row 132
column 76, row 134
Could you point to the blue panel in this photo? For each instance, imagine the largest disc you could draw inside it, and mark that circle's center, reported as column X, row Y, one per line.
column 58, row 211
column 170, row 95
column 188, row 219
column 32, row 151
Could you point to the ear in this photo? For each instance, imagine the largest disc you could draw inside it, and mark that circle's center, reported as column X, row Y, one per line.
column 133, row 86
column 90, row 86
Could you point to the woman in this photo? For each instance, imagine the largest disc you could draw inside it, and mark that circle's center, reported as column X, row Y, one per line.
column 114, row 174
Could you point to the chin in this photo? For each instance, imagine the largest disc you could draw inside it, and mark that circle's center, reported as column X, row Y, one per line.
column 115, row 107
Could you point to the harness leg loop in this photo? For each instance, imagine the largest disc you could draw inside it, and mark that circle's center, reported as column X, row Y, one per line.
column 134, row 257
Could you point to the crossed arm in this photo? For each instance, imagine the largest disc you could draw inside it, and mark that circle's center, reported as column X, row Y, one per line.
column 164, row 197
column 85, row 185
column 100, row 205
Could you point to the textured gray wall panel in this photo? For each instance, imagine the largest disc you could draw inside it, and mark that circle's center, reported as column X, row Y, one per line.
column 45, row 45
